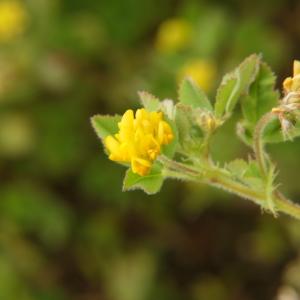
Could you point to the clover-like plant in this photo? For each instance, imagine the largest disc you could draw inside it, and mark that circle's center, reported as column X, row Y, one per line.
column 172, row 140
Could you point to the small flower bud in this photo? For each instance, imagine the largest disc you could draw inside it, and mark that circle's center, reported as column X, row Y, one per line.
column 207, row 121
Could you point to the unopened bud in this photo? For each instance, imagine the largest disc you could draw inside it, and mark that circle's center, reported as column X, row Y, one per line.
column 207, row 121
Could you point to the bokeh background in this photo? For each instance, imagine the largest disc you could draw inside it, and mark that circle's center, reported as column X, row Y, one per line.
column 66, row 229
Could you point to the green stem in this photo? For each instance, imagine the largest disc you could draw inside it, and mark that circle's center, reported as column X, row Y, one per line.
column 206, row 145
column 171, row 173
column 280, row 201
column 218, row 178
column 258, row 143
column 177, row 167
column 287, row 206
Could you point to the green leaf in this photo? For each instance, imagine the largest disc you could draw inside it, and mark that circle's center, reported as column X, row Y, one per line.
column 190, row 136
column 236, row 84
column 244, row 133
column 272, row 133
column 262, row 95
column 191, row 94
column 252, row 176
column 269, row 188
column 237, row 167
column 253, row 169
column 247, row 173
column 150, row 183
column 183, row 122
column 150, row 102
column 168, row 108
column 105, row 125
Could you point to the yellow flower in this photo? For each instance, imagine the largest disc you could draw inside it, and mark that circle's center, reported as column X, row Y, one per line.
column 139, row 139
column 203, row 72
column 292, row 84
column 173, row 35
column 12, row 19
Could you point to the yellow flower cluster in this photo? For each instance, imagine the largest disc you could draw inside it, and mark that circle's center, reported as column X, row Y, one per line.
column 173, row 35
column 203, row 72
column 292, row 84
column 139, row 139
column 12, row 19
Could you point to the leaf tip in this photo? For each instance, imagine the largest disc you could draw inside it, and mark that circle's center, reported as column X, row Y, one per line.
column 93, row 121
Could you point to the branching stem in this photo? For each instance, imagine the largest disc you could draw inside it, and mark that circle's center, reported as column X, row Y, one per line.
column 218, row 178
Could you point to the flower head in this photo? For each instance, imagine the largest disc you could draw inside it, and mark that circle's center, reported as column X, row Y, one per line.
column 203, row 72
column 292, row 84
column 173, row 35
column 12, row 19
column 288, row 112
column 139, row 139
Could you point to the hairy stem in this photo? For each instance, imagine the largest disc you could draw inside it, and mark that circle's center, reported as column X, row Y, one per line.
column 287, row 206
column 258, row 144
column 218, row 178
column 177, row 166
column 280, row 201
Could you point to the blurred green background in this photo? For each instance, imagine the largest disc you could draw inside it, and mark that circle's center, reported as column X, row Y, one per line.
column 67, row 231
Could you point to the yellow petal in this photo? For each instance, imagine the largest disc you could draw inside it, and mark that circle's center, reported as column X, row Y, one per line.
column 126, row 126
column 151, row 146
column 138, row 135
column 168, row 135
column 140, row 166
column 296, row 83
column 117, row 152
column 126, row 151
column 287, row 84
column 155, row 117
column 139, row 139
column 160, row 132
column 111, row 144
column 296, row 67
column 141, row 114
column 165, row 135
column 127, row 119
